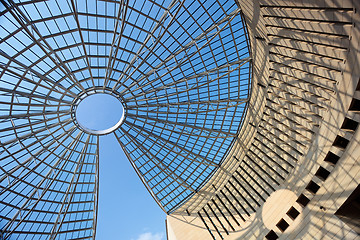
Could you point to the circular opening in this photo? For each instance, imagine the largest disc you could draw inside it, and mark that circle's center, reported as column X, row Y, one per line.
column 99, row 114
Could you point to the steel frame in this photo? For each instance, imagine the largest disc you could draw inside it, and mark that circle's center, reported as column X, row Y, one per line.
column 182, row 70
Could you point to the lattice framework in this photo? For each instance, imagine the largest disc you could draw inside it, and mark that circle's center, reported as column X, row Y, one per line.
column 180, row 68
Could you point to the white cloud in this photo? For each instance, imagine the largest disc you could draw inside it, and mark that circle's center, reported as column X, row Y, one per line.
column 151, row 236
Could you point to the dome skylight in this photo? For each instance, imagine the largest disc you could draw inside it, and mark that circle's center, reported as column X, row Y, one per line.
column 181, row 70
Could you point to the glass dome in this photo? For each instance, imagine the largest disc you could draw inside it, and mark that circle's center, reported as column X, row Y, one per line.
column 181, row 70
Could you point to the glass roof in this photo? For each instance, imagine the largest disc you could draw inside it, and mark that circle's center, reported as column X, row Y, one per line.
column 181, row 69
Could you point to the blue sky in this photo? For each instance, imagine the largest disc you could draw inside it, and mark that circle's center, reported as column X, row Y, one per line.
column 99, row 111
column 126, row 209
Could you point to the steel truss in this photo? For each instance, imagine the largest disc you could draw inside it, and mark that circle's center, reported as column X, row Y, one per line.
column 181, row 69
